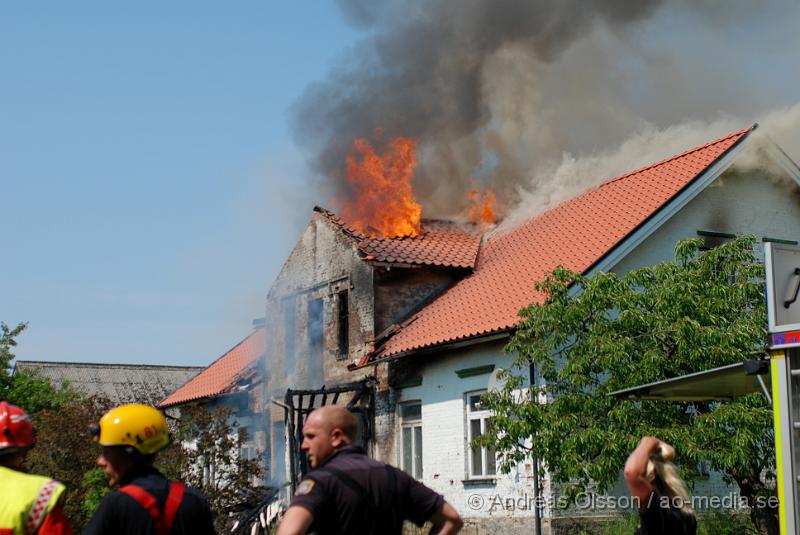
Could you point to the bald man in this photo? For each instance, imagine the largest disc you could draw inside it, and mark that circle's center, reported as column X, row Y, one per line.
column 347, row 492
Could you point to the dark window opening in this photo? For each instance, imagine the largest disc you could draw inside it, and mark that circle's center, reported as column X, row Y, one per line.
column 713, row 239
column 315, row 327
column 343, row 305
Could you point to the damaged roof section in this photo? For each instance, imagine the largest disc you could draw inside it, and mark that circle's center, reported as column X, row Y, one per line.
column 575, row 234
column 441, row 243
column 224, row 375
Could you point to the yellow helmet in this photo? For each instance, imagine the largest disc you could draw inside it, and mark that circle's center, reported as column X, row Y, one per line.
column 140, row 426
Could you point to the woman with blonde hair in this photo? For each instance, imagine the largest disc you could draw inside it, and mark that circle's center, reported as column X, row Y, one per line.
column 664, row 503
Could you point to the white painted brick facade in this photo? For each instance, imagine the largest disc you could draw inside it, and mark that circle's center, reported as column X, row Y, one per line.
column 738, row 202
column 444, row 438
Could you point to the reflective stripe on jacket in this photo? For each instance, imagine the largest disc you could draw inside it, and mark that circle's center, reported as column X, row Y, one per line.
column 25, row 500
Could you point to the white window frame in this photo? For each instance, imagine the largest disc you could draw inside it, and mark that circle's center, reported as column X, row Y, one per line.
column 412, row 426
column 488, row 470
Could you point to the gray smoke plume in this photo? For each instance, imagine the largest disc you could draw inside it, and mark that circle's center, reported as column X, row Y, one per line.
column 503, row 92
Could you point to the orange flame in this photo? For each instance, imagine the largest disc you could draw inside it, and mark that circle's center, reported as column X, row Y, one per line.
column 482, row 207
column 384, row 203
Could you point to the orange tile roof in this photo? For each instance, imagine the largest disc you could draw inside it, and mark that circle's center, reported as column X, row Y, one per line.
column 441, row 243
column 575, row 234
column 222, row 375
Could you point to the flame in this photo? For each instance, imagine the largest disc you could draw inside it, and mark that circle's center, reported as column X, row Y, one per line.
column 384, row 202
column 482, row 207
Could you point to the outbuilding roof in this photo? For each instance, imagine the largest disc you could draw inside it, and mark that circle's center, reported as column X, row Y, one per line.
column 222, row 375
column 120, row 383
column 441, row 243
column 575, row 234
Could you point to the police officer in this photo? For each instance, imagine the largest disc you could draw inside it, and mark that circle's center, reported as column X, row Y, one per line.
column 349, row 493
column 29, row 504
column 145, row 502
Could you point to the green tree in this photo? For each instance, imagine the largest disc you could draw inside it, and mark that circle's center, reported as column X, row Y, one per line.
column 27, row 390
column 63, row 451
column 596, row 335
column 206, row 456
column 7, row 342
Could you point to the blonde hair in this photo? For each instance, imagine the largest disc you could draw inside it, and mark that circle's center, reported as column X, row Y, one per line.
column 665, row 477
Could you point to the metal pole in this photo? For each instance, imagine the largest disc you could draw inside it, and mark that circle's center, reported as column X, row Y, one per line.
column 537, row 512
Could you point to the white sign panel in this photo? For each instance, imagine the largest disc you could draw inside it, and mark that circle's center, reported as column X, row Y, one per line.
column 783, row 286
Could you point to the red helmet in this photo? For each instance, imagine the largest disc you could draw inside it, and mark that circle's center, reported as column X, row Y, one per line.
column 16, row 428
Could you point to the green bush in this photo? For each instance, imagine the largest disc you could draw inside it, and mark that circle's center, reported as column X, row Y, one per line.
column 716, row 523
column 725, row 524
column 96, row 488
column 624, row 525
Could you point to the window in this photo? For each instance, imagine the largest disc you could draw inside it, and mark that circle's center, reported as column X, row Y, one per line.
column 343, row 306
column 713, row 239
column 482, row 460
column 248, row 452
column 315, row 327
column 411, row 435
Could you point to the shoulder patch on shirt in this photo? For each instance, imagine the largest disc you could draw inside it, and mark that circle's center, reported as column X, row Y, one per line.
column 304, row 487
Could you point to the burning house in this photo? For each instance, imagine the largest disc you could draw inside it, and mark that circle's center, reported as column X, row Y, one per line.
column 407, row 327
column 338, row 292
column 404, row 320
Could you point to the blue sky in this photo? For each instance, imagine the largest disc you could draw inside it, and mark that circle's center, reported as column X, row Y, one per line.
column 150, row 187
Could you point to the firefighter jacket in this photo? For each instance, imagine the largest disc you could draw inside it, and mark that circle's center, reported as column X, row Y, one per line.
column 26, row 502
column 127, row 511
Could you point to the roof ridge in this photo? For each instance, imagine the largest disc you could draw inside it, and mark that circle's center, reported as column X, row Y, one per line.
column 341, row 223
column 104, row 364
column 212, row 364
column 334, row 218
column 615, row 179
column 228, row 352
column 675, row 157
column 440, row 220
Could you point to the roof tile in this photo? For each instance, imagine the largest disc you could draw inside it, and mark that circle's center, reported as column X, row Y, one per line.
column 441, row 243
column 221, row 376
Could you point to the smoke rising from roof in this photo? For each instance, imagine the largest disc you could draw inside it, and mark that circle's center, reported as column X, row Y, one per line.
column 533, row 97
column 571, row 176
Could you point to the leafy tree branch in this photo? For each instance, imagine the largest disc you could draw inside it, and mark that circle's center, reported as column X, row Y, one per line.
column 592, row 336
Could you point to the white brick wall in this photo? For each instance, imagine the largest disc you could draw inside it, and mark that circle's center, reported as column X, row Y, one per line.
column 445, row 444
column 738, row 202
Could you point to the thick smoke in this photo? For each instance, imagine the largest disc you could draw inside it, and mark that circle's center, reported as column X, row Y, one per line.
column 532, row 97
column 571, row 175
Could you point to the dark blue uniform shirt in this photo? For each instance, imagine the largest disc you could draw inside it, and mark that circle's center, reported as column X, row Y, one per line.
column 353, row 494
column 662, row 518
column 119, row 514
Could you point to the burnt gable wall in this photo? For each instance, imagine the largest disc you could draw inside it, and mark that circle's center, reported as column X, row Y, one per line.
column 400, row 292
column 302, row 304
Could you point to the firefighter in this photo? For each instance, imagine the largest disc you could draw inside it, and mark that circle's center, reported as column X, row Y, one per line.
column 29, row 504
column 145, row 502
